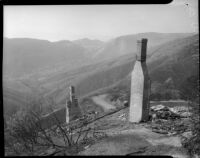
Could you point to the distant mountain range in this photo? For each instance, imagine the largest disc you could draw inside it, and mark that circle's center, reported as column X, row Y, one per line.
column 24, row 56
column 90, row 45
column 91, row 64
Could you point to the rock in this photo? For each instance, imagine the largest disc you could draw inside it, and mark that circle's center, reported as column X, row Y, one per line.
column 157, row 107
column 171, row 126
column 122, row 117
column 183, row 111
column 163, row 112
column 126, row 103
column 177, row 109
column 153, row 117
column 186, row 114
column 86, row 147
column 187, row 134
column 171, row 133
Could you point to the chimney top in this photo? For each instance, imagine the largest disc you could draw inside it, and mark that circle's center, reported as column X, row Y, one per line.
column 141, row 50
column 72, row 89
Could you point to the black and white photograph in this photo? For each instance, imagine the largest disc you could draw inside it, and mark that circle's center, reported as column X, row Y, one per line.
column 101, row 79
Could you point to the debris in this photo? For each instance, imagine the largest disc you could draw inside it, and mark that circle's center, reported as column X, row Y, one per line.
column 86, row 147
column 122, row 115
column 172, row 127
column 186, row 114
column 187, row 134
column 177, row 109
column 183, row 111
column 153, row 117
column 171, row 133
column 169, row 121
column 163, row 112
column 157, row 107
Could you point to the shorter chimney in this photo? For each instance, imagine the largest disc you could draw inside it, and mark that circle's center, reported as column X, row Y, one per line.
column 72, row 107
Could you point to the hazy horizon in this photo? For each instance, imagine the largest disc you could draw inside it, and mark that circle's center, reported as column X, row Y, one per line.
column 98, row 22
column 98, row 39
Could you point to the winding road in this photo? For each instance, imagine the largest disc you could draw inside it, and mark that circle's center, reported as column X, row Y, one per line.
column 100, row 100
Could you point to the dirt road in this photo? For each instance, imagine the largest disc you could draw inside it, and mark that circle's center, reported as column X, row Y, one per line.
column 100, row 100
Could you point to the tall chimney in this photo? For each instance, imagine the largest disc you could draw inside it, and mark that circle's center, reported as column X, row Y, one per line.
column 140, row 84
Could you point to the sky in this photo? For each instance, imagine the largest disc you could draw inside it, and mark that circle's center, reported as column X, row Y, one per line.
column 103, row 22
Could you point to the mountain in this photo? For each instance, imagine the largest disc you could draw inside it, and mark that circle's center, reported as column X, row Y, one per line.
column 23, row 56
column 90, row 45
column 128, row 44
column 174, row 59
column 13, row 100
column 169, row 60
column 177, row 61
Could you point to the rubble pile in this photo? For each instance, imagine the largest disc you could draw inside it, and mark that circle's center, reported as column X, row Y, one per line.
column 169, row 121
column 163, row 112
column 182, row 111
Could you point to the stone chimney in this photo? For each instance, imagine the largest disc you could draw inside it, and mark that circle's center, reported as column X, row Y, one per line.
column 141, row 50
column 140, row 84
column 72, row 106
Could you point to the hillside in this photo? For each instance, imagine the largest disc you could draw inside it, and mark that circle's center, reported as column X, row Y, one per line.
column 23, row 56
column 127, row 44
column 13, row 101
column 108, row 72
column 176, row 56
column 91, row 45
column 174, row 60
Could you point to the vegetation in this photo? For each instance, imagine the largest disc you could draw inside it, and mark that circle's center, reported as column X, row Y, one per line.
column 25, row 134
column 192, row 144
column 191, row 91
